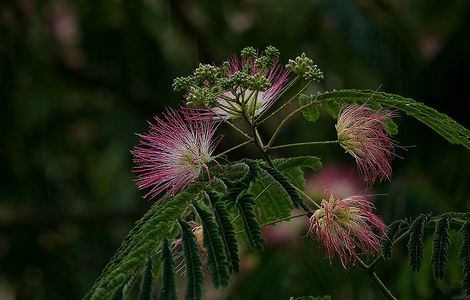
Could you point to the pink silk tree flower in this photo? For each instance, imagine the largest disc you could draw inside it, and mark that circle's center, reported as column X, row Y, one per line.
column 361, row 133
column 255, row 102
column 174, row 152
column 347, row 227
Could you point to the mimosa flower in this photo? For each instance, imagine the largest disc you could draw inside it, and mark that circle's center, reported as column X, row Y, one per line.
column 255, row 102
column 174, row 152
column 361, row 133
column 347, row 227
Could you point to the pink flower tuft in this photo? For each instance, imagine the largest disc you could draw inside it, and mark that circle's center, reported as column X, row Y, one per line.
column 174, row 152
column 343, row 226
column 361, row 133
column 259, row 102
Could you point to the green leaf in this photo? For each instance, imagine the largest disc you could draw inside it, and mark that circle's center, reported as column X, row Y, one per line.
column 226, row 229
column 388, row 241
column 233, row 171
column 311, row 162
column 390, row 127
column 310, row 113
column 291, row 168
column 250, row 225
column 332, row 108
column 236, row 187
column 440, row 246
column 295, row 176
column 295, row 198
column 271, row 198
column 145, row 292
column 464, row 255
column 142, row 240
column 118, row 294
column 416, row 242
column 441, row 123
column 216, row 258
column 192, row 261
column 168, row 285
column 218, row 185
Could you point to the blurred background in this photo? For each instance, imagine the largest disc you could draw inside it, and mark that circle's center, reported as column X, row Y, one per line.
column 79, row 78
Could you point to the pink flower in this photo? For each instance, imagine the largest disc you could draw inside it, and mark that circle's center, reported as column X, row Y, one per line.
column 361, row 133
column 254, row 102
column 174, row 152
column 345, row 226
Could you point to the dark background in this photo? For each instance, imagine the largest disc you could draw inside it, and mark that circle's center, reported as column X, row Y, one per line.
column 79, row 78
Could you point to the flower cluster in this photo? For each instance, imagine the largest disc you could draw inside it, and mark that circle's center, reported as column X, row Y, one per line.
column 255, row 98
column 344, row 226
column 179, row 146
column 174, row 152
column 245, row 86
column 361, row 133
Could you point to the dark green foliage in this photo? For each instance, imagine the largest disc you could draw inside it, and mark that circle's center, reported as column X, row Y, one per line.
column 145, row 292
column 245, row 205
column 310, row 113
column 294, row 196
column 192, row 261
column 226, row 231
column 118, row 294
column 308, row 161
column 216, row 258
column 387, row 242
column 416, row 242
column 464, row 255
column 236, row 187
column 332, row 108
column 168, row 281
column 271, row 199
column 440, row 247
column 441, row 123
column 311, row 298
column 143, row 239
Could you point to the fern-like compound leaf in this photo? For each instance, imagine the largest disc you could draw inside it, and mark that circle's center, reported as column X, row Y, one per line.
column 143, row 239
column 441, row 123
column 464, row 255
column 389, row 239
column 216, row 257
column 168, row 283
column 440, row 247
column 310, row 113
column 226, row 229
column 236, row 187
column 118, row 294
column 308, row 161
column 271, row 198
column 192, row 261
column 145, row 292
column 294, row 196
column 416, row 242
column 251, row 227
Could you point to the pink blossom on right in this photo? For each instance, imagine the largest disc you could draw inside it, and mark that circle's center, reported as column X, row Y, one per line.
column 361, row 133
column 346, row 227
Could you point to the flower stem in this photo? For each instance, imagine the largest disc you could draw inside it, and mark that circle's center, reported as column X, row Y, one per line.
column 283, row 122
column 306, row 196
column 376, row 280
column 285, row 103
column 237, row 129
column 231, row 149
column 277, row 221
column 302, row 144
